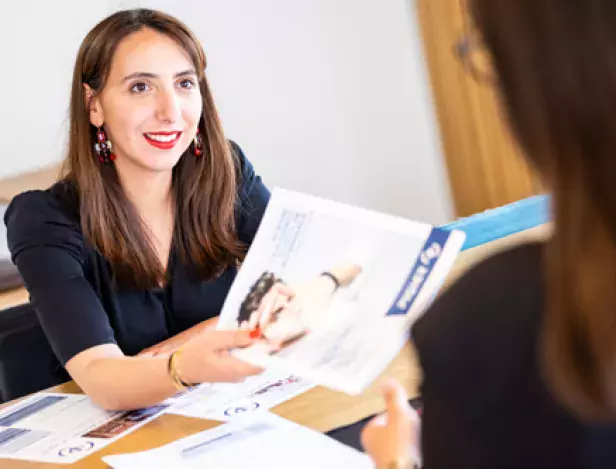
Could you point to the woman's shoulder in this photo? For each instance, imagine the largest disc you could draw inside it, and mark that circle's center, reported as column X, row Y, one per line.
column 251, row 189
column 506, row 271
column 46, row 217
column 57, row 203
column 497, row 304
column 243, row 166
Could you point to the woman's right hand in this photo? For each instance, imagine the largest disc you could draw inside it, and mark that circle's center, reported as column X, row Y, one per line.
column 207, row 358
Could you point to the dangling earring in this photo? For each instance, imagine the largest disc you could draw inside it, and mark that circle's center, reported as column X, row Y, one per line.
column 103, row 147
column 198, row 144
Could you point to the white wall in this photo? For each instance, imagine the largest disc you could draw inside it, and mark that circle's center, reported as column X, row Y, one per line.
column 325, row 96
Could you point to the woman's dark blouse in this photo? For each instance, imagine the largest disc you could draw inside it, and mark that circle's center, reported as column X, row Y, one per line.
column 70, row 283
column 486, row 405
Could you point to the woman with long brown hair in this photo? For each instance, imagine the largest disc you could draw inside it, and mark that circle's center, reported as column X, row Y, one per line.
column 519, row 357
column 129, row 254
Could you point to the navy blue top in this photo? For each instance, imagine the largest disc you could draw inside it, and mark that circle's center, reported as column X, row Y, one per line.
column 70, row 283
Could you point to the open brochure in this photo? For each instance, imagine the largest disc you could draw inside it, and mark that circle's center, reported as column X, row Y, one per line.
column 64, row 428
column 337, row 287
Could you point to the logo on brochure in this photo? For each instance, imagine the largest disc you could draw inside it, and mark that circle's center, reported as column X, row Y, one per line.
column 431, row 251
column 80, row 448
column 251, row 407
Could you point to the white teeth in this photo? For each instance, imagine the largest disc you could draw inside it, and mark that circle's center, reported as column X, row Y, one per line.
column 162, row 138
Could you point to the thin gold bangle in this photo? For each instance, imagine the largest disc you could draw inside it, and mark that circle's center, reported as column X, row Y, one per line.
column 171, row 371
column 174, row 373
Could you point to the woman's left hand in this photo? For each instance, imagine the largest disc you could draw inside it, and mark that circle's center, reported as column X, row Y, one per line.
column 392, row 436
column 167, row 347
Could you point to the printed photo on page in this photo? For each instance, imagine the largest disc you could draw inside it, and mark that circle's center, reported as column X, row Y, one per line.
column 333, row 289
column 64, row 428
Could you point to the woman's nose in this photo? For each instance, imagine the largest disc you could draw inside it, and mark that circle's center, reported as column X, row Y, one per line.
column 168, row 106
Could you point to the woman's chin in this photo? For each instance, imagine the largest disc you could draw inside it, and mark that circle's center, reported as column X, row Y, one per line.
column 160, row 165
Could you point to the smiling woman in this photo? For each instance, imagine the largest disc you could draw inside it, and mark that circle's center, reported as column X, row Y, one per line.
column 129, row 257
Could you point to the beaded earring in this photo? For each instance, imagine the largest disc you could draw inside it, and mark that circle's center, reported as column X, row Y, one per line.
column 103, row 147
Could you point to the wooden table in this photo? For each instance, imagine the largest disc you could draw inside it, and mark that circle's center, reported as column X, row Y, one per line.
column 320, row 409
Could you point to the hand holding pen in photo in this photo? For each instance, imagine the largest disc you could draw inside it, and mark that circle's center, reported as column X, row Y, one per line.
column 286, row 313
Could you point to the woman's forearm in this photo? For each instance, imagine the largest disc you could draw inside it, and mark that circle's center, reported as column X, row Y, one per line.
column 126, row 383
column 116, row 382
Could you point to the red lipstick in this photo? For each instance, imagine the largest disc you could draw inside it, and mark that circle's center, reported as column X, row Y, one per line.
column 163, row 140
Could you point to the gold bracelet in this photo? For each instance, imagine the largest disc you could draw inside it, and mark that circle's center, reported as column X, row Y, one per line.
column 174, row 373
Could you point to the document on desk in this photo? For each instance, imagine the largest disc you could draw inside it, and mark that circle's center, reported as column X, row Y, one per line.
column 261, row 441
column 224, row 402
column 336, row 287
column 64, row 428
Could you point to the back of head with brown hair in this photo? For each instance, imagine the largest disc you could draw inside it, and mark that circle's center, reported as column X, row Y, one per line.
column 556, row 68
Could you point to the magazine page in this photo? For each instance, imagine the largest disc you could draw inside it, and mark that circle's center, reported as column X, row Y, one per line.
column 259, row 441
column 335, row 287
column 64, row 428
column 226, row 401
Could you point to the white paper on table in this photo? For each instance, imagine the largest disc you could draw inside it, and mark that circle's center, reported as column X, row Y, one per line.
column 64, row 428
column 223, row 402
column 260, row 440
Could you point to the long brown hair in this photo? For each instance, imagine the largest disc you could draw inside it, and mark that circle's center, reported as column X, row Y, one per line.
column 556, row 68
column 204, row 188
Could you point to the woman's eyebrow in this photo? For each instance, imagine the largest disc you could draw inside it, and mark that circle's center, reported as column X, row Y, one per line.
column 153, row 75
